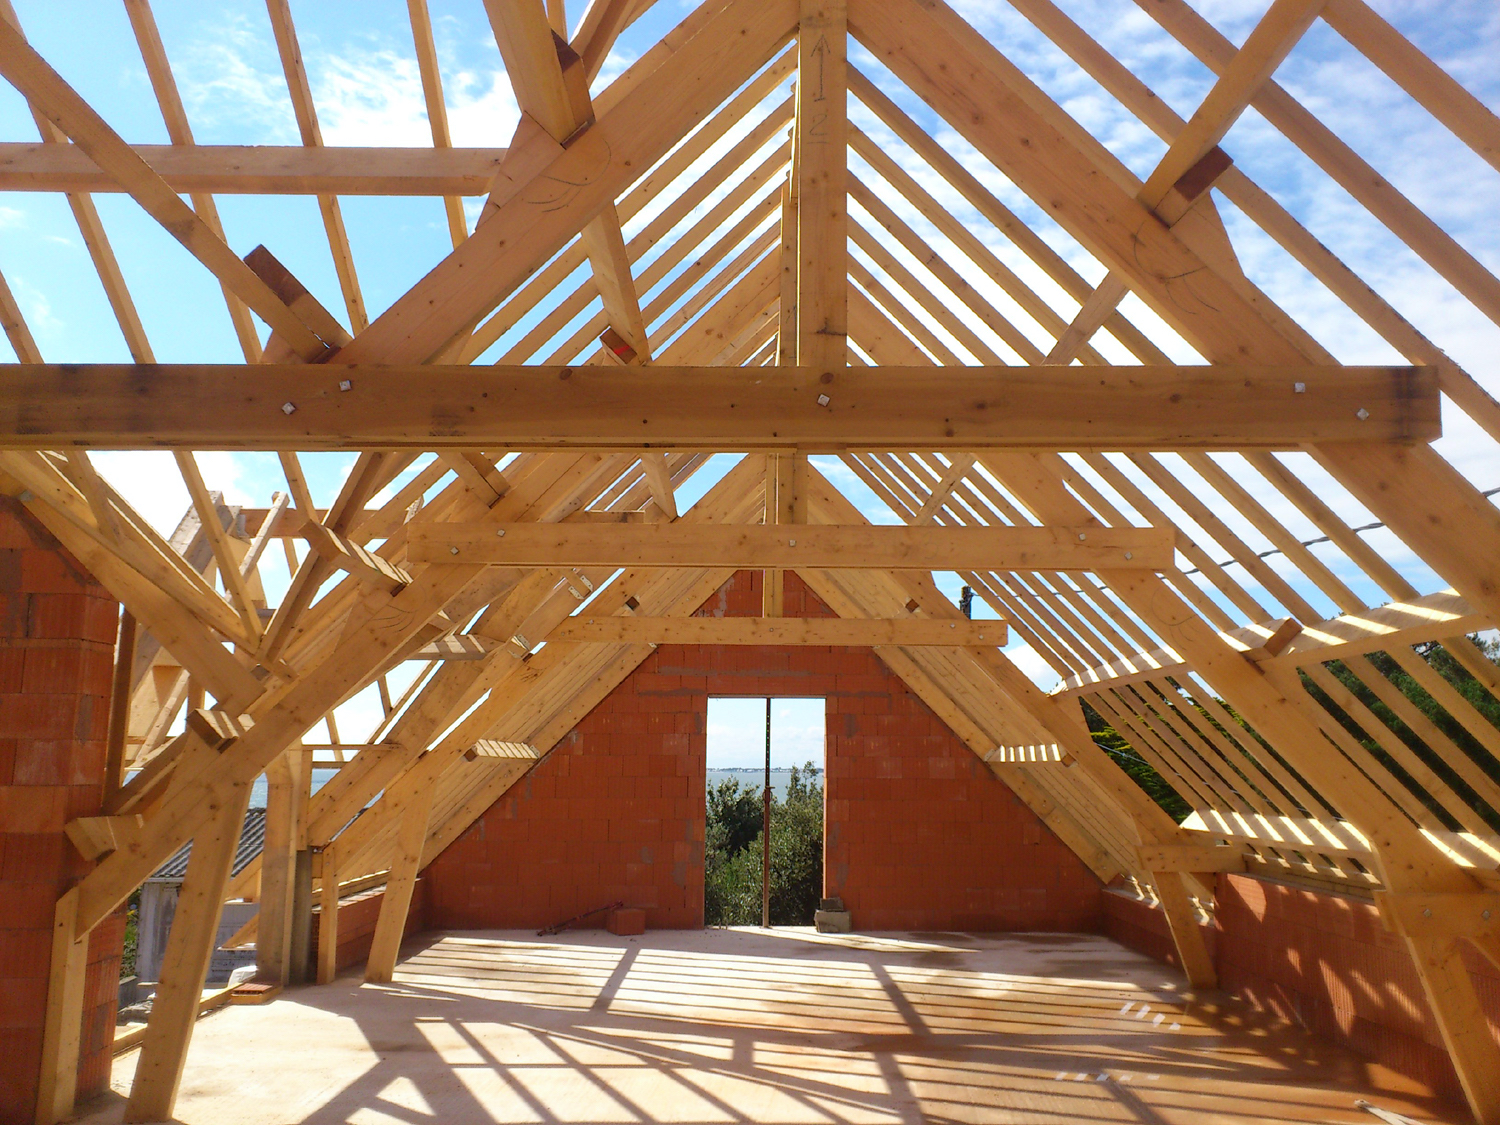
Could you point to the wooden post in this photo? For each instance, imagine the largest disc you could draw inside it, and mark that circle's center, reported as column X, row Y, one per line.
column 119, row 707
column 63, row 1028
column 822, row 201
column 1461, row 1020
column 786, row 335
column 772, row 584
column 328, row 916
column 765, row 829
column 190, row 946
column 411, row 837
column 1187, row 936
column 299, row 955
column 278, row 861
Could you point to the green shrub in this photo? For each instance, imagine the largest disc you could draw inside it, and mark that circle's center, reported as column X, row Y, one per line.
column 733, row 845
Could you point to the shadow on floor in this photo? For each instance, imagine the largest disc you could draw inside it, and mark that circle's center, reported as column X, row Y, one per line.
column 783, row 1026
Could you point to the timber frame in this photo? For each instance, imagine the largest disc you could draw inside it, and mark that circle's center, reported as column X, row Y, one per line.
column 494, row 526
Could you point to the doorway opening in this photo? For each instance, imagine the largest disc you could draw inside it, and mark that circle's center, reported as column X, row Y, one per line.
column 752, row 739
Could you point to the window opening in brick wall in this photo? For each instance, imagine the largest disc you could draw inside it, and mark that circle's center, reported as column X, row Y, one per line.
column 733, row 846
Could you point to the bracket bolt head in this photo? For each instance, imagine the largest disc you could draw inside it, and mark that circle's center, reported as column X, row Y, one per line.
column 1082, row 537
column 1361, row 413
column 791, row 542
column 453, row 550
column 1427, row 912
column 1485, row 914
column 289, row 408
column 824, row 400
column 501, row 533
column 345, row 385
column 1299, row 388
column 1129, row 555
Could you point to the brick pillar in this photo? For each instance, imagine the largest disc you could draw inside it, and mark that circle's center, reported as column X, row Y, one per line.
column 57, row 633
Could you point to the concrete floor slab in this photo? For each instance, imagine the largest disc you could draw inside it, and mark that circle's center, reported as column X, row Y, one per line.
column 786, row 1027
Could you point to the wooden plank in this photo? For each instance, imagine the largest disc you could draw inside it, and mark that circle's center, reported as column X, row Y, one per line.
column 1460, row 1017
column 119, row 705
column 1191, row 857
column 862, row 547
column 852, row 632
column 410, row 836
column 460, row 646
column 1251, row 67
column 190, row 946
column 261, row 169
column 286, row 815
column 328, row 916
column 437, row 110
column 62, row 1027
column 660, row 478
column 292, row 406
column 599, row 27
column 366, row 566
column 1187, row 935
column 509, row 751
column 819, row 166
column 1426, row 618
column 1378, row 629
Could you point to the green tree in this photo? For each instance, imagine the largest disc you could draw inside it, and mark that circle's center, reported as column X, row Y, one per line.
column 1379, row 664
column 733, row 846
column 1141, row 771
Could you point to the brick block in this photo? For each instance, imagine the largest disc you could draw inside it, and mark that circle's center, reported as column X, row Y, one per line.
column 33, row 808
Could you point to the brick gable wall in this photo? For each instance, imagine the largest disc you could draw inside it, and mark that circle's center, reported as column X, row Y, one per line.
column 919, row 833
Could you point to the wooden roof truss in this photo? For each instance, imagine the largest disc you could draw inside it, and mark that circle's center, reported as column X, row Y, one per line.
column 774, row 303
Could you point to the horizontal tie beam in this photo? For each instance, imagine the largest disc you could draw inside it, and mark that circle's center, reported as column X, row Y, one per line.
column 840, row 631
column 329, row 406
column 790, row 547
column 261, row 169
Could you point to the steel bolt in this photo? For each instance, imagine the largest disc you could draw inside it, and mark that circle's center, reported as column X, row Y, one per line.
column 1361, row 413
column 289, row 408
column 453, row 550
column 1299, row 388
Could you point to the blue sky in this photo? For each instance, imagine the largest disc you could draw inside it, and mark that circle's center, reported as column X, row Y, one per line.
column 363, row 74
column 737, row 732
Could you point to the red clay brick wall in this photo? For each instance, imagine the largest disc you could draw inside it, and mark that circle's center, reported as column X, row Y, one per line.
column 57, row 634
column 919, row 835
column 1324, row 961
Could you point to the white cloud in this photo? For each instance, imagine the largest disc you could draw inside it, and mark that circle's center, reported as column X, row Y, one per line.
column 363, row 95
column 151, row 482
